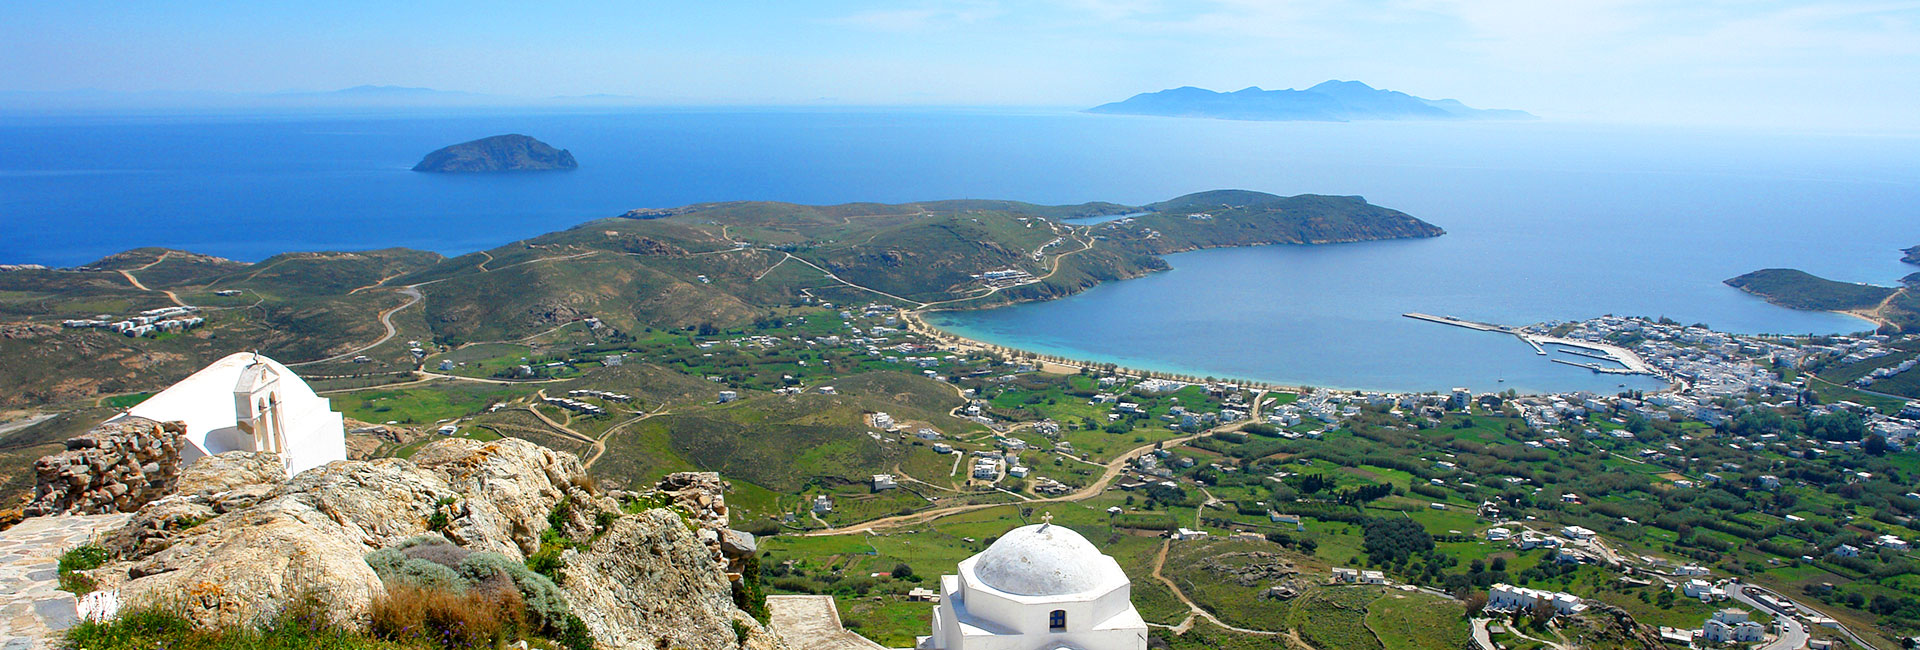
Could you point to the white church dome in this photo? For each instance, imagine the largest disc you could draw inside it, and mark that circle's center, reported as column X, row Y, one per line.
column 1043, row 560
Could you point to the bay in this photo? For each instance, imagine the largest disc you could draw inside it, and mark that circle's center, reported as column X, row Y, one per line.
column 1545, row 221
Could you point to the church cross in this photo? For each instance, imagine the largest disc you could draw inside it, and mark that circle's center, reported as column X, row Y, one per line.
column 1047, row 519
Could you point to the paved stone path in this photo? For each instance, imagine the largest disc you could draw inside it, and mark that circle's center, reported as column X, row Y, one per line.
column 32, row 607
column 812, row 622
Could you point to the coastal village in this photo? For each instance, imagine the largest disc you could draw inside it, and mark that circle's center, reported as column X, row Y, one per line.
column 1723, row 508
column 1259, row 463
column 1715, row 378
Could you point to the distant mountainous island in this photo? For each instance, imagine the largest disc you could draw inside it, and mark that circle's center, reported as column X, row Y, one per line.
column 500, row 153
column 1895, row 309
column 1331, row 101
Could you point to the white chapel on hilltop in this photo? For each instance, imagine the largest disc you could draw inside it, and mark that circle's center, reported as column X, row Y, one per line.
column 1039, row 587
column 247, row 402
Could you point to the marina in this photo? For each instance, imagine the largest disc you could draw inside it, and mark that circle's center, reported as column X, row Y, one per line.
column 1629, row 363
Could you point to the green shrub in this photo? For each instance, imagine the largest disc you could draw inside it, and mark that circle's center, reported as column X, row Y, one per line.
column 455, row 580
column 748, row 594
column 395, row 568
column 438, row 520
column 543, row 600
column 573, row 634
column 77, row 559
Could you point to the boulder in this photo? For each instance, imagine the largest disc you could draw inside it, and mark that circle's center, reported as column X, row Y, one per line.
column 211, row 475
column 247, row 571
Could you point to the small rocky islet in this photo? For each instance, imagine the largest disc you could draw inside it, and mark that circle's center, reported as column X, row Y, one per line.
column 500, row 153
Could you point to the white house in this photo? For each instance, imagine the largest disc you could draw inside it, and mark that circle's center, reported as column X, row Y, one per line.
column 1578, row 532
column 248, row 402
column 1846, row 550
column 1039, row 587
column 1701, row 589
column 884, row 482
column 1720, row 631
column 1505, row 597
column 1530, row 540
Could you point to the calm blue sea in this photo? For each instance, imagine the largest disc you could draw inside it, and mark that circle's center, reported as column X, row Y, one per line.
column 1546, row 221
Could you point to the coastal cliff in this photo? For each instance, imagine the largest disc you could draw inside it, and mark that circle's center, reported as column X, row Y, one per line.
column 500, row 153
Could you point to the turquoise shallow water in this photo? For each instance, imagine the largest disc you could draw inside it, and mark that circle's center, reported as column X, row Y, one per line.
column 1546, row 221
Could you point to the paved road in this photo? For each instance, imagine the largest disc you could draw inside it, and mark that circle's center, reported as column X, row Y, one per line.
column 1793, row 632
column 1481, row 637
column 22, row 423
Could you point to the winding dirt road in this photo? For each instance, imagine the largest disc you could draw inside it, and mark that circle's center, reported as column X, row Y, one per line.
column 412, row 292
column 138, row 285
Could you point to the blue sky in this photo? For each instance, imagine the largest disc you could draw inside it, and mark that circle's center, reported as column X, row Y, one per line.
column 1842, row 63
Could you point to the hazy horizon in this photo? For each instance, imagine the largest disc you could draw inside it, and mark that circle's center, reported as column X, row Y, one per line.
column 1844, row 65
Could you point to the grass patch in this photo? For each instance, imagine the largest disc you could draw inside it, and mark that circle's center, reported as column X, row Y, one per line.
column 1417, row 621
column 1336, row 618
column 302, row 629
column 77, row 559
column 126, row 401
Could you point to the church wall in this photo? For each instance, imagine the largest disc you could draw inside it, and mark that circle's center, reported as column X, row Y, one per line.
column 315, row 438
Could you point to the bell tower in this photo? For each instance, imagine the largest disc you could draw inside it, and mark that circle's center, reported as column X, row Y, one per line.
column 257, row 406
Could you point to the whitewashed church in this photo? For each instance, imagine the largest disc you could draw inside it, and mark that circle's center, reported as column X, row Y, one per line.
column 247, row 402
column 1040, row 587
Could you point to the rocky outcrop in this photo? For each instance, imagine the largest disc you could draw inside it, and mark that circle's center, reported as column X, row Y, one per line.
column 208, row 487
column 646, row 583
column 237, row 545
column 1250, row 568
column 308, row 536
column 116, row 467
column 507, row 491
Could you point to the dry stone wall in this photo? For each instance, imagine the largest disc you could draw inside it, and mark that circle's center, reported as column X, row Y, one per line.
column 703, row 496
column 116, row 467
